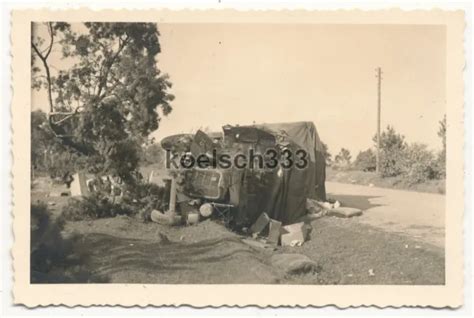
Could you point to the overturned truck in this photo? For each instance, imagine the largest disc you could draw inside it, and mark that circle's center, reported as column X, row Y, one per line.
column 289, row 168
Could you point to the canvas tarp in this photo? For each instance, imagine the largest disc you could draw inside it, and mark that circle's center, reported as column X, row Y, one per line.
column 283, row 195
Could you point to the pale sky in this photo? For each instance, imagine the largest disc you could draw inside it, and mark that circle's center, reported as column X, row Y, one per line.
column 245, row 73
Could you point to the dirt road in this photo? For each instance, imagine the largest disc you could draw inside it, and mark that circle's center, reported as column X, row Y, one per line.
column 418, row 215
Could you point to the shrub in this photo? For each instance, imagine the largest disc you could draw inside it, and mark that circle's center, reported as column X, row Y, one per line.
column 139, row 199
column 366, row 160
column 46, row 248
column 391, row 162
column 440, row 164
column 53, row 258
column 419, row 164
column 95, row 206
column 146, row 197
column 392, row 146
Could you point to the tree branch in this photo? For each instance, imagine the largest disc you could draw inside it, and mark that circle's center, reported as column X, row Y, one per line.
column 48, row 75
column 51, row 35
column 110, row 63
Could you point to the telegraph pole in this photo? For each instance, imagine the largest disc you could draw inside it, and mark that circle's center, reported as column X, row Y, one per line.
column 379, row 86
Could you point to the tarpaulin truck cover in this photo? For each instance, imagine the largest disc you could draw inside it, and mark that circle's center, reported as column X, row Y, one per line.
column 284, row 196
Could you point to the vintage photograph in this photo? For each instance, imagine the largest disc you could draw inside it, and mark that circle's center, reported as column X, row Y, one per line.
column 240, row 155
column 234, row 154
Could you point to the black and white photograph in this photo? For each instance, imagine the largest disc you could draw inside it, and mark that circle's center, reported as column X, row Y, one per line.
column 166, row 154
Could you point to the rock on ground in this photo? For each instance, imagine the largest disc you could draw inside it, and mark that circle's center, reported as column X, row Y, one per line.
column 294, row 263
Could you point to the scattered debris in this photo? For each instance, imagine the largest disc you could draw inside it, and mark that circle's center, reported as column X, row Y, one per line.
column 344, row 212
column 327, row 206
column 295, row 234
column 260, row 224
column 257, row 244
column 274, row 232
column 294, row 264
column 296, row 243
column 313, row 206
column 79, row 185
column 192, row 218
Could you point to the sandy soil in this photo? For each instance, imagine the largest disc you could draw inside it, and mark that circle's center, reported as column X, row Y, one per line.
column 418, row 215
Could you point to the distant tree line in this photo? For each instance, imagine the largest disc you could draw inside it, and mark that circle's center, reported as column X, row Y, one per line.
column 413, row 161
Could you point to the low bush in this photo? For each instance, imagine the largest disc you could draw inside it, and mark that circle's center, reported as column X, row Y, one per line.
column 419, row 164
column 392, row 162
column 94, row 206
column 365, row 161
column 441, row 164
column 414, row 163
column 55, row 258
column 146, row 197
column 47, row 246
column 139, row 199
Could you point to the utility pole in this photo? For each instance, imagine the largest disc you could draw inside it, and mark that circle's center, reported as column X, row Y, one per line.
column 379, row 86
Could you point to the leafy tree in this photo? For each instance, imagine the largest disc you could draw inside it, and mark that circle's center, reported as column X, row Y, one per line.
column 366, row 160
column 42, row 49
column 112, row 81
column 392, row 146
column 343, row 158
column 419, row 163
column 153, row 154
column 46, row 153
column 41, row 139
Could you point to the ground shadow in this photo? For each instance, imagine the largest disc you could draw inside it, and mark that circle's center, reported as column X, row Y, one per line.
column 125, row 260
column 355, row 201
column 66, row 260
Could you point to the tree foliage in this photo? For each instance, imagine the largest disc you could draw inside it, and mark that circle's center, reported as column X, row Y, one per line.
column 153, row 154
column 392, row 146
column 47, row 154
column 419, row 163
column 343, row 158
column 366, row 160
column 112, row 81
